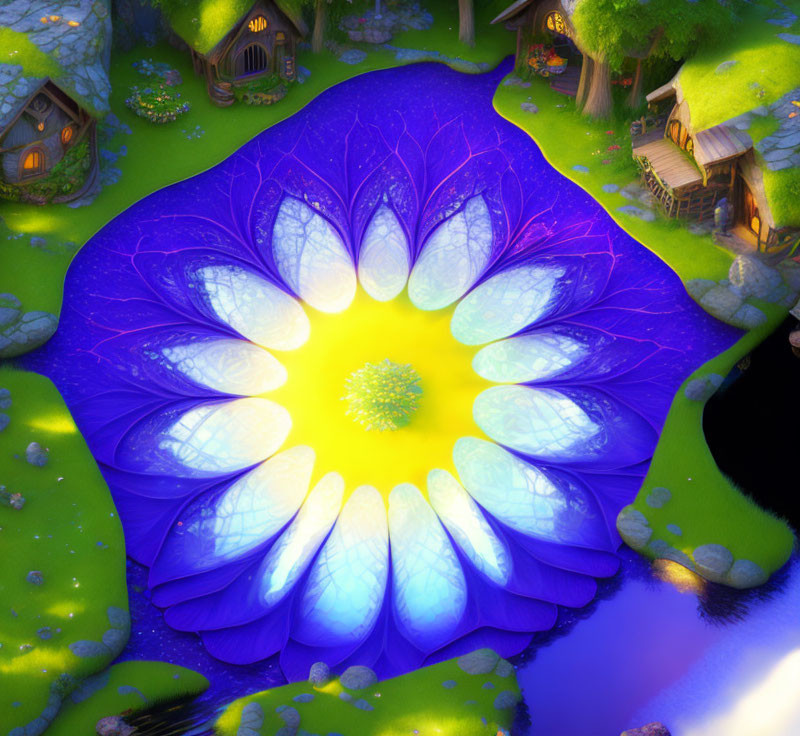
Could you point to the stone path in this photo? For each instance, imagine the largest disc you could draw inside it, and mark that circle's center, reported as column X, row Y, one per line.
column 781, row 150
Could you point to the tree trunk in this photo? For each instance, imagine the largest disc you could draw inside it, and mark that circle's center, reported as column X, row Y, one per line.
column 599, row 102
column 320, row 18
column 587, row 67
column 634, row 98
column 466, row 22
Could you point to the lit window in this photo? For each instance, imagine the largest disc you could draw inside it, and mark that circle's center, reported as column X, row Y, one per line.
column 40, row 126
column 755, row 223
column 67, row 134
column 258, row 23
column 555, row 22
column 33, row 162
column 689, row 145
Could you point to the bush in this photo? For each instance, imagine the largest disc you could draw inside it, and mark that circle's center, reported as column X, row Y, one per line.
column 262, row 91
column 158, row 104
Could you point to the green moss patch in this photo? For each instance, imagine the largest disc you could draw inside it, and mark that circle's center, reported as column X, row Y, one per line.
column 126, row 687
column 441, row 700
column 19, row 49
column 69, row 532
column 766, row 68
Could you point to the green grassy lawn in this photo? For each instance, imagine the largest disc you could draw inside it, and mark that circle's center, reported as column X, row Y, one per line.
column 68, row 530
column 127, row 686
column 767, row 68
column 708, row 508
column 416, row 703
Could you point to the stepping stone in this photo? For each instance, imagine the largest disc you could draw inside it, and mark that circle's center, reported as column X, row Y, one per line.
column 580, row 168
column 610, row 188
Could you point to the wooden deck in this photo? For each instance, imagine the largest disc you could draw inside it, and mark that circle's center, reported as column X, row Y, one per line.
column 670, row 164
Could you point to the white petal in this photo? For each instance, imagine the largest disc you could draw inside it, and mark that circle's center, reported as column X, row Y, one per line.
column 528, row 358
column 311, row 257
column 429, row 589
column 453, row 258
column 505, row 304
column 536, row 421
column 384, row 261
column 256, row 506
column 346, row 586
column 218, row 438
column 291, row 554
column 255, row 308
column 227, row 365
column 516, row 493
column 467, row 525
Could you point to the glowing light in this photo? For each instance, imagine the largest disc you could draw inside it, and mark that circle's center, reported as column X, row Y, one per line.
column 53, row 423
column 73, row 23
column 684, row 580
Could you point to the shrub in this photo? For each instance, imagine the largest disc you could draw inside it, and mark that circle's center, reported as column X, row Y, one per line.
column 158, row 104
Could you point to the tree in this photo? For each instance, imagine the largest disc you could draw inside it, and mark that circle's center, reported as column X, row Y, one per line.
column 609, row 31
column 466, row 22
column 320, row 19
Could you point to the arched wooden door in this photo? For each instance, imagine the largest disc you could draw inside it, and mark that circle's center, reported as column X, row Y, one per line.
column 252, row 59
column 31, row 162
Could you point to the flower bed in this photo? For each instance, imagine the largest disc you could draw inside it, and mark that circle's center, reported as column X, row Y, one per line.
column 156, row 104
column 263, row 91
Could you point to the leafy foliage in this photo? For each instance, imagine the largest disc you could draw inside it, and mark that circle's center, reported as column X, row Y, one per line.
column 158, row 104
column 618, row 28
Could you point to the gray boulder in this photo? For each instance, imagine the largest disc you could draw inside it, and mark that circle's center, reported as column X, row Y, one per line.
column 21, row 332
column 479, row 662
column 721, row 302
column 634, row 528
column 36, row 455
column 506, row 699
column 750, row 277
column 713, row 561
column 319, row 675
column 748, row 317
column 252, row 716
column 746, row 574
column 529, row 107
column 703, row 388
column 658, row 497
column 358, row 677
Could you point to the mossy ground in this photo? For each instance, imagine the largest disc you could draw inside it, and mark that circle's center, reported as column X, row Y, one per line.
column 767, row 68
column 68, row 530
column 153, row 681
column 708, row 508
column 19, row 49
column 416, row 703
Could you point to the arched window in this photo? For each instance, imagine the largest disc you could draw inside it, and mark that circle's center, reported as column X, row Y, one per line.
column 555, row 22
column 675, row 130
column 32, row 162
column 257, row 24
column 688, row 146
column 67, row 134
column 252, row 59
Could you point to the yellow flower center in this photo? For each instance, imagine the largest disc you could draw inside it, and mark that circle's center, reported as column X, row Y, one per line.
column 394, row 334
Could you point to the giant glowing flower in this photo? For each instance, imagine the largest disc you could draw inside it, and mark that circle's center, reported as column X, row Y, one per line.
column 374, row 389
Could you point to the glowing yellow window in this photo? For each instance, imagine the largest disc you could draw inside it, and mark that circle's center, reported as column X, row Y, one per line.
column 67, row 134
column 33, row 163
column 259, row 23
column 555, row 22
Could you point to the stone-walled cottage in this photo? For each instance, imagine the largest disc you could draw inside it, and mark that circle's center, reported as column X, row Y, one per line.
column 690, row 171
column 259, row 42
column 52, row 90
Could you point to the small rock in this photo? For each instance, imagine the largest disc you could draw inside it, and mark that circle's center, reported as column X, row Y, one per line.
column 746, row 574
column 703, row 388
column 290, row 717
column 505, row 700
column 634, row 528
column 658, row 497
column 303, row 698
column 358, row 677
column 580, row 168
column 118, row 617
column 4, row 420
column 352, row 56
column 35, row 577
column 488, row 685
column 748, row 317
column 115, row 640
column 634, row 211
column 113, row 726
column 319, row 675
column 655, row 728
column 504, row 668
column 345, row 696
column 529, row 107
column 88, row 648
column 449, row 684
column 36, row 455
column 252, row 716
column 675, row 529
column 45, row 633
column 698, row 287
column 37, row 242
column 479, row 662
column 713, row 561
column 610, row 188
column 721, row 302
column 725, row 66
column 750, row 277
column 362, row 704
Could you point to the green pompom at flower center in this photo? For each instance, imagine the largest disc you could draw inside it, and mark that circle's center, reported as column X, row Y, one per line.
column 383, row 396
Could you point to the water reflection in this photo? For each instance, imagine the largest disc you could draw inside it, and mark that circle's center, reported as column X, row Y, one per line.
column 660, row 643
